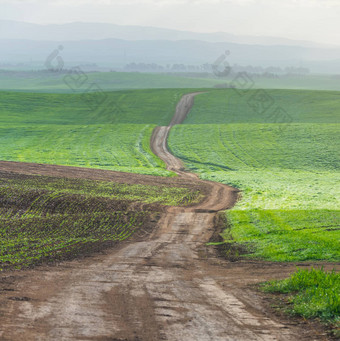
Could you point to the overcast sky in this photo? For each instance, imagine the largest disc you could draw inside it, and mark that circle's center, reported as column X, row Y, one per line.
column 314, row 20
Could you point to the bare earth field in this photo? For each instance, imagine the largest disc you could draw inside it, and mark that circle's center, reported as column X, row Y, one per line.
column 167, row 286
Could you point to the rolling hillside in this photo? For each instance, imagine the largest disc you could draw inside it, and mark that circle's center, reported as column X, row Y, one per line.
column 288, row 172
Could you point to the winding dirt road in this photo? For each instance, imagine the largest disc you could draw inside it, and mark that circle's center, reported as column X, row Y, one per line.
column 166, row 287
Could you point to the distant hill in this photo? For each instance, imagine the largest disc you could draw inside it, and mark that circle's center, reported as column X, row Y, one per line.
column 99, row 31
column 117, row 53
column 114, row 46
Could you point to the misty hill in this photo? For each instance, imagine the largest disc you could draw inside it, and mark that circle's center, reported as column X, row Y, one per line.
column 117, row 53
column 99, row 31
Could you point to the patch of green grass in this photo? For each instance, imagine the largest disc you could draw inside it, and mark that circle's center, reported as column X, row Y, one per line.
column 312, row 293
column 46, row 218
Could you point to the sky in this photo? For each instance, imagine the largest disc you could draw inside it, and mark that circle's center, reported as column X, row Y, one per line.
column 312, row 20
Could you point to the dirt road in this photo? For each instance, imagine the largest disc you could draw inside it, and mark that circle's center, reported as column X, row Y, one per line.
column 166, row 287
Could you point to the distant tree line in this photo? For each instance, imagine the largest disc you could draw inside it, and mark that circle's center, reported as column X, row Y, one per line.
column 153, row 67
column 269, row 72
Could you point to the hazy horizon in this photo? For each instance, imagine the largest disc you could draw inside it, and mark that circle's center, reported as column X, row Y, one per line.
column 307, row 20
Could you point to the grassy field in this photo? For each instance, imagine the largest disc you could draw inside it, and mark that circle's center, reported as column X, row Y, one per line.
column 288, row 172
column 236, row 106
column 129, row 107
column 110, row 132
column 55, row 82
column 45, row 81
column 122, row 147
column 46, row 218
column 294, row 82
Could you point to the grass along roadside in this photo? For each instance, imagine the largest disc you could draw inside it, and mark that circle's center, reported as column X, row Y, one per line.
column 312, row 294
column 287, row 235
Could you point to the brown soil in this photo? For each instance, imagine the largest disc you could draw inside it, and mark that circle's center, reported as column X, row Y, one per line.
column 167, row 286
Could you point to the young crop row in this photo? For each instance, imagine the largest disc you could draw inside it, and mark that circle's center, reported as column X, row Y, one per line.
column 157, row 194
column 48, row 219
column 38, row 225
column 28, row 240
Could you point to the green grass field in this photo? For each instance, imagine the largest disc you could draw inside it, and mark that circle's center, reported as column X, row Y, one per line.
column 128, row 107
column 54, row 82
column 288, row 172
column 236, row 106
column 121, row 147
column 74, row 130
column 46, row 218
column 295, row 82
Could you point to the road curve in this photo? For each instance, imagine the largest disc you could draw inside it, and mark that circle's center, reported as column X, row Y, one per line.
column 167, row 287
column 221, row 197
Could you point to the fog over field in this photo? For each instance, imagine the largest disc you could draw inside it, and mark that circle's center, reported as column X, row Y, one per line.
column 257, row 33
column 115, row 46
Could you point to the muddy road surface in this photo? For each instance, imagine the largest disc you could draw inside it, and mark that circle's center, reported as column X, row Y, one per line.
column 169, row 286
